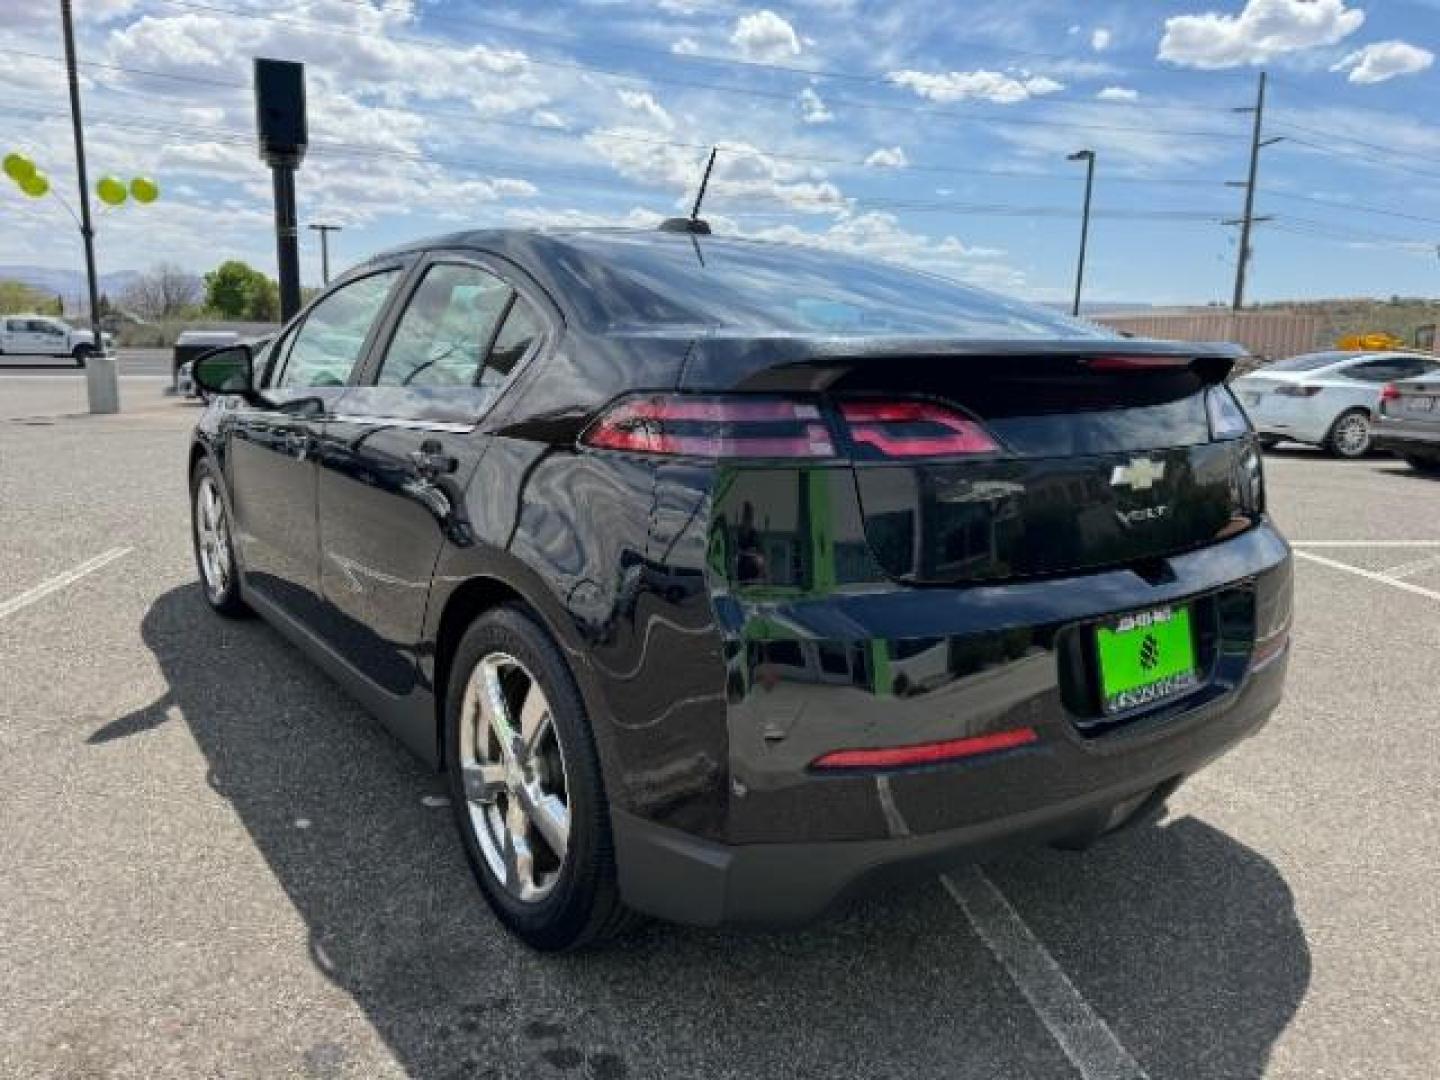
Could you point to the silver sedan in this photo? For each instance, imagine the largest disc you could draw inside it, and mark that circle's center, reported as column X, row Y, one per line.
column 1328, row 399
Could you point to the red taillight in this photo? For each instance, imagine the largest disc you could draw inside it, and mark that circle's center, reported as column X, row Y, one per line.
column 927, row 753
column 1390, row 393
column 713, row 427
column 902, row 429
column 1137, row 363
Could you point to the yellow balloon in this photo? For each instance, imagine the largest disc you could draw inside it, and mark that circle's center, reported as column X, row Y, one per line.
column 144, row 190
column 36, row 185
column 19, row 167
column 111, row 191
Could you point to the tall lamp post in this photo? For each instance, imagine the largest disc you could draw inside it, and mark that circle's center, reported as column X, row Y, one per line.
column 325, row 231
column 1087, row 156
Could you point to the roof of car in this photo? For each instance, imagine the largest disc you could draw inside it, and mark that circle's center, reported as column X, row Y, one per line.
column 654, row 281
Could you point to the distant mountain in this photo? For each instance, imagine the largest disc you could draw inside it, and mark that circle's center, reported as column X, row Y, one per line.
column 67, row 283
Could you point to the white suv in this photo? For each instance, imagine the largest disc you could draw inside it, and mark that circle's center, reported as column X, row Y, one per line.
column 42, row 335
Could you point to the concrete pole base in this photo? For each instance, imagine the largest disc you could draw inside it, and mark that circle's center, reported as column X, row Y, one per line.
column 101, row 384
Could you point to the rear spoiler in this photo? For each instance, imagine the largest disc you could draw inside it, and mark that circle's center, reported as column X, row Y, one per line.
column 781, row 362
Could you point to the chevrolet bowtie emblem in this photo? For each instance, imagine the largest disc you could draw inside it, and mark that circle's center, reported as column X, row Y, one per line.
column 1141, row 474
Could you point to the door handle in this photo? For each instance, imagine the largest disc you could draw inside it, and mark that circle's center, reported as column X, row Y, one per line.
column 431, row 461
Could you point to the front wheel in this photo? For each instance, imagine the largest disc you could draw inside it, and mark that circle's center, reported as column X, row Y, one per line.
column 81, row 355
column 526, row 786
column 1350, row 435
column 214, row 549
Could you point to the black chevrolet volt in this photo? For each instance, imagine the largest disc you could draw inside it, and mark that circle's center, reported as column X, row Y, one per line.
column 724, row 578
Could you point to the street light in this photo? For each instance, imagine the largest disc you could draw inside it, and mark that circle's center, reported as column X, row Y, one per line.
column 1087, row 156
column 325, row 231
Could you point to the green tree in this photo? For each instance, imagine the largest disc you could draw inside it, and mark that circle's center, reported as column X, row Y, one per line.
column 229, row 287
column 236, row 290
column 18, row 298
column 264, row 305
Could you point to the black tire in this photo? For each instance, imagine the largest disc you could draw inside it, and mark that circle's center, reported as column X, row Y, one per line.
column 1430, row 466
column 1337, row 441
column 226, row 598
column 81, row 355
column 583, row 906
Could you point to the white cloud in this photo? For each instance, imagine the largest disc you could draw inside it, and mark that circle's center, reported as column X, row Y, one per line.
column 1118, row 93
column 765, row 36
column 1100, row 39
column 892, row 157
column 1383, row 60
column 685, row 46
column 1263, row 29
column 983, row 85
column 645, row 104
column 813, row 109
column 880, row 235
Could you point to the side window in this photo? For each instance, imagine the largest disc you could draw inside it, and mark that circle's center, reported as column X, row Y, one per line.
column 445, row 329
column 517, row 337
column 328, row 343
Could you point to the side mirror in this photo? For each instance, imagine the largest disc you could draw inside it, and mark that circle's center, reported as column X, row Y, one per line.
column 229, row 369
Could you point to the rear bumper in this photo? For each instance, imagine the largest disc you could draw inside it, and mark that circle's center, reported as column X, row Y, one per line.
column 894, row 666
column 676, row 876
column 1406, row 436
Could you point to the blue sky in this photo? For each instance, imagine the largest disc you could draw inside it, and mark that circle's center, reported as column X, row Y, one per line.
column 928, row 133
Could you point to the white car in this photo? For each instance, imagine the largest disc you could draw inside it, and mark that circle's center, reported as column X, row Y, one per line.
column 44, row 335
column 1328, row 399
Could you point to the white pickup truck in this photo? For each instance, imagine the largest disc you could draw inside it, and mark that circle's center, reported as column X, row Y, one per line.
column 44, row 335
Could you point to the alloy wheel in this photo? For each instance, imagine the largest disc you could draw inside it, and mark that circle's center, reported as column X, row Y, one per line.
column 1352, row 435
column 217, row 566
column 513, row 769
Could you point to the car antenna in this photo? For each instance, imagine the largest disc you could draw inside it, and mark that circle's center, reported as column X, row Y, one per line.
column 694, row 223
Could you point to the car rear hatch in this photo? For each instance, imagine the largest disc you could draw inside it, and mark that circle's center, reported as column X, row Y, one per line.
column 1022, row 463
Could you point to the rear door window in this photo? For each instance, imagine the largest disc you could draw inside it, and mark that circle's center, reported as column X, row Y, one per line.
column 446, row 329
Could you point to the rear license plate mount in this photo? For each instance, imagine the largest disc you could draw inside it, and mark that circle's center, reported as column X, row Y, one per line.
column 1146, row 657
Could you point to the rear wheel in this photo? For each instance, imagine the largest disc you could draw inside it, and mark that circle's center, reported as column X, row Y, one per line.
column 526, row 787
column 81, row 355
column 1350, row 435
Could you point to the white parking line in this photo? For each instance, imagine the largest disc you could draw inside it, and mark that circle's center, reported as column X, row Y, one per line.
column 1370, row 575
column 1365, row 543
column 1080, row 1032
column 60, row 581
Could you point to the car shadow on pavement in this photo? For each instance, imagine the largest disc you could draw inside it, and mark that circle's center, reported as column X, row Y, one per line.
column 1185, row 941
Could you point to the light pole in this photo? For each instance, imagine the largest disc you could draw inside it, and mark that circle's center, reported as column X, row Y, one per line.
column 325, row 231
column 1087, row 156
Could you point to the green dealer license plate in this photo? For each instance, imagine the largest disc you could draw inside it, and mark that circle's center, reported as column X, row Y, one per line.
column 1146, row 657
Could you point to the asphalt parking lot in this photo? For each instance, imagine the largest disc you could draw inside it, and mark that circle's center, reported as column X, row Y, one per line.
column 215, row 865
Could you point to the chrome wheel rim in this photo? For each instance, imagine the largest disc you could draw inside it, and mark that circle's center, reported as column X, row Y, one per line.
column 513, row 769
column 1352, row 435
column 213, row 538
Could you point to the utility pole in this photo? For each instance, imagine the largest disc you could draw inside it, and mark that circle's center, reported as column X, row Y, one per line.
column 1087, row 156
column 325, row 231
column 280, row 119
column 1247, row 221
column 102, row 388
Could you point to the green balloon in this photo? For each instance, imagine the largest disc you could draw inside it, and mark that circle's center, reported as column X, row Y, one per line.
column 144, row 190
column 19, row 167
column 36, row 185
column 111, row 191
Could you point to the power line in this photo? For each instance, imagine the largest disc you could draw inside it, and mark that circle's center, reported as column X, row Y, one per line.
column 914, row 110
column 760, row 65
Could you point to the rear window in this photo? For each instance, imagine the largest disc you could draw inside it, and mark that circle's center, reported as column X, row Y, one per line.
column 804, row 290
